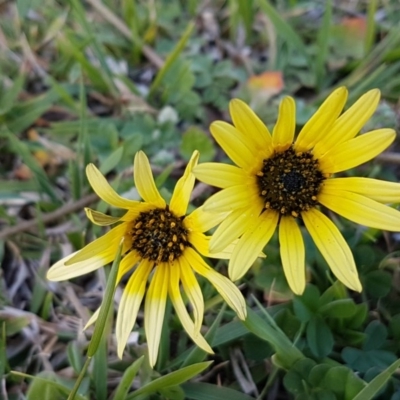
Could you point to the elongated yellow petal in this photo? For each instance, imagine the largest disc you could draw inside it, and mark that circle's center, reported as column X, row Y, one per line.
column 128, row 262
column 183, row 188
column 333, row 247
column 235, row 146
column 192, row 290
column 60, row 271
column 154, row 310
column 101, row 246
column 357, row 151
column 104, row 190
column 252, row 128
column 321, row 122
column 220, row 175
column 202, row 221
column 232, row 198
column 233, row 227
column 292, row 254
column 130, row 303
column 201, row 243
column 229, row 292
column 382, row 191
column 349, row 124
column 251, row 244
column 283, row 133
column 99, row 218
column 360, row 209
column 183, row 315
column 144, row 181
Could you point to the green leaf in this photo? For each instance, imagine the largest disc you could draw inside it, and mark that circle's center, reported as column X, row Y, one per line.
column 127, row 379
column 111, row 161
column 284, row 29
column 319, row 337
column 22, row 150
column 207, row 391
column 343, row 308
column 74, row 354
column 286, row 351
column 373, row 387
column 46, row 384
column 195, row 139
column 343, row 382
column 173, row 393
column 171, row 379
column 9, row 96
column 376, row 334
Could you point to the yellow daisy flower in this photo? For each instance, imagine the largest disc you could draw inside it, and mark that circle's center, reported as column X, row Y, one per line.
column 161, row 245
column 281, row 181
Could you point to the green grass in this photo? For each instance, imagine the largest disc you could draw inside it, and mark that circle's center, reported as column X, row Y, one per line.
column 97, row 81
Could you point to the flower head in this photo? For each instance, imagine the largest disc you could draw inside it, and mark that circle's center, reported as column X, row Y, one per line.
column 161, row 245
column 282, row 181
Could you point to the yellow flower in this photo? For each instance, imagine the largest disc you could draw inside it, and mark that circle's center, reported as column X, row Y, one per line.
column 281, row 181
column 164, row 244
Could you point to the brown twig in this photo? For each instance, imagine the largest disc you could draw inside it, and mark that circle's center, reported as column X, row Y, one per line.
column 111, row 18
column 390, row 157
column 51, row 216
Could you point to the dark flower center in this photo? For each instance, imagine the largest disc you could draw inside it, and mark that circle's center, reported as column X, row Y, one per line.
column 289, row 182
column 159, row 235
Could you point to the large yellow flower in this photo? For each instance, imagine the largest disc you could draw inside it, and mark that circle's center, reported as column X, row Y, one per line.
column 164, row 245
column 283, row 181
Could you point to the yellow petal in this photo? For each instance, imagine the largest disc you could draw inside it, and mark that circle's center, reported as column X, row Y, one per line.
column 183, row 188
column 154, row 310
column 283, row 133
column 101, row 246
column 382, row 191
column 61, row 272
column 233, row 227
column 229, row 292
column 292, row 254
column 235, row 146
column 321, row 122
column 251, row 126
column 251, row 244
column 193, row 292
column 350, row 123
column 128, row 262
column 129, row 305
column 201, row 243
column 202, row 221
column 99, row 218
column 333, row 247
column 220, row 175
column 92, row 319
column 183, row 315
column 105, row 191
column 356, row 151
column 360, row 209
column 233, row 198
column 144, row 181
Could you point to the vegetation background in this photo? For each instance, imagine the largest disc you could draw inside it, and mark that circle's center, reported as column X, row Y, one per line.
column 96, row 81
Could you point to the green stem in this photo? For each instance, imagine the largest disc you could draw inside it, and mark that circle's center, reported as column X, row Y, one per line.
column 78, row 382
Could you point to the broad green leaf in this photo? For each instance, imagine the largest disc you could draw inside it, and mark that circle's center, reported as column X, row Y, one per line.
column 376, row 334
column 127, row 379
column 196, row 139
column 74, row 354
column 171, row 379
column 343, row 382
column 111, row 161
column 319, row 337
column 373, row 387
column 207, row 391
column 343, row 308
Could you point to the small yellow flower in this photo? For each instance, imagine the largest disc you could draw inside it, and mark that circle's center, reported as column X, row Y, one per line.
column 163, row 243
column 280, row 181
